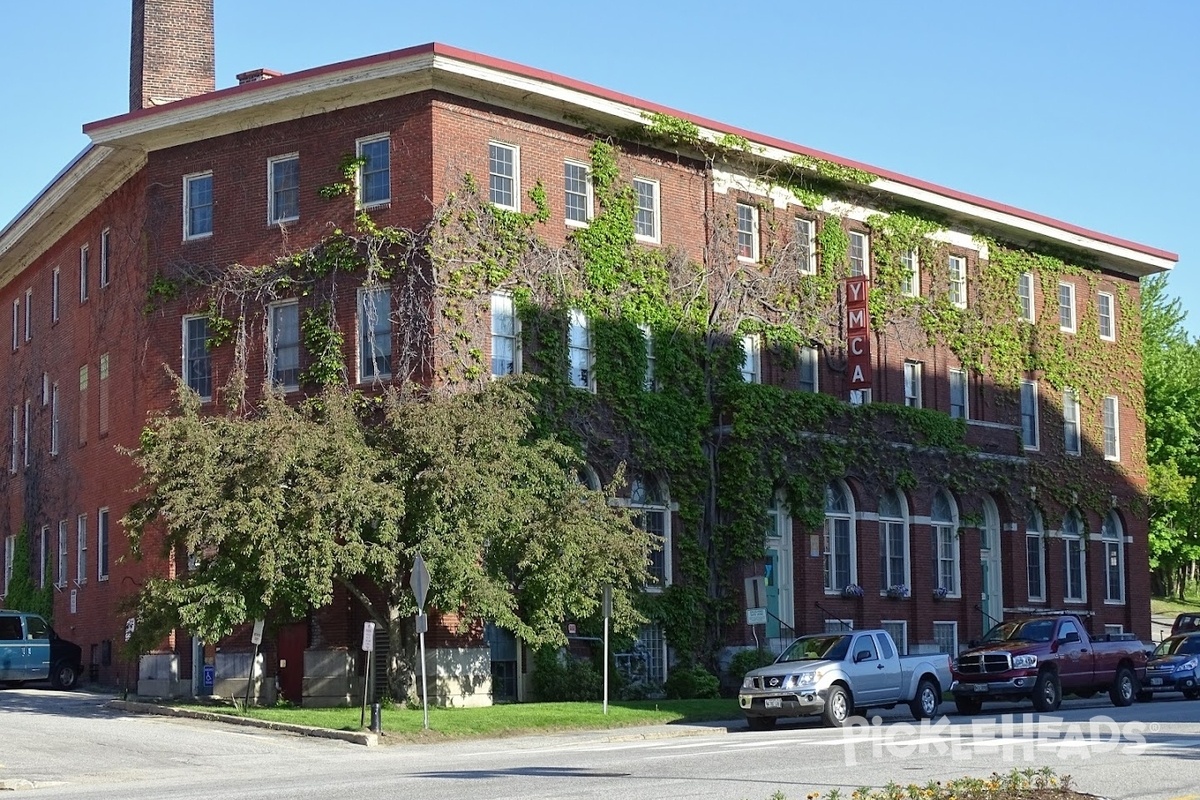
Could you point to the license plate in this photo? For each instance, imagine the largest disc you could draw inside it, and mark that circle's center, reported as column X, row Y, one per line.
column 979, row 687
column 773, row 702
column 1156, row 681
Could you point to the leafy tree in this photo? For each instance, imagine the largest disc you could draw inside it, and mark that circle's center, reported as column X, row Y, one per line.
column 1171, row 365
column 273, row 510
column 23, row 592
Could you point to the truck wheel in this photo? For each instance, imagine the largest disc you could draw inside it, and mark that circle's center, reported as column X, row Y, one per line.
column 1124, row 688
column 926, row 701
column 1145, row 697
column 760, row 723
column 63, row 676
column 837, row 707
column 968, row 705
column 1047, row 693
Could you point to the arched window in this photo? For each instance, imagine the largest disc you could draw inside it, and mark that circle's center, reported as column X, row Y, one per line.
column 588, row 477
column 1035, row 557
column 1114, row 558
column 840, row 567
column 944, row 521
column 1075, row 586
column 893, row 541
column 652, row 514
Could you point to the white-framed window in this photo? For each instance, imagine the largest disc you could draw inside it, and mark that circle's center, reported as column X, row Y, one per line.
column 55, row 280
column 1112, row 533
column 841, row 567
column 1111, row 630
column 652, row 513
column 960, row 407
column 284, row 334
column 10, row 552
column 283, row 188
column 910, row 274
column 16, row 439
column 84, row 268
column 912, row 384
column 504, row 175
column 1035, row 558
column 16, row 326
column 374, row 333
column 577, row 193
column 28, row 431
column 54, row 421
column 506, row 336
column 105, row 257
column 1105, row 308
column 893, row 542
column 1075, row 586
column 62, row 553
column 860, row 253
column 653, row 643
column 649, row 380
column 102, row 544
column 1112, row 429
column 945, row 635
column 898, row 630
column 747, row 232
column 579, row 351
column 751, row 358
column 1025, row 296
column 838, row 626
column 28, row 314
column 197, row 359
column 1071, row 439
column 1029, row 415
column 806, row 240
column 45, row 388
column 646, row 211
column 375, row 174
column 957, row 269
column 81, row 546
column 808, row 369
column 1066, row 307
column 197, row 206
column 943, row 518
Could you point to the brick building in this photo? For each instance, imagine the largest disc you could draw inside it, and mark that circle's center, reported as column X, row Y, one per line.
column 194, row 178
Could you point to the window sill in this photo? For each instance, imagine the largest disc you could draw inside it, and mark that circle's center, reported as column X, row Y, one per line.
column 102, row 579
column 1075, row 601
column 574, row 223
column 747, row 260
column 655, row 240
column 1061, row 329
column 1114, row 602
column 282, row 223
column 197, row 238
column 1113, row 459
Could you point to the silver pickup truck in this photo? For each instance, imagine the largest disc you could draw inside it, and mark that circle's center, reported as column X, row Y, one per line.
column 838, row 675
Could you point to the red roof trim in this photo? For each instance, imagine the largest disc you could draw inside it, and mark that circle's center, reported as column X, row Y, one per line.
column 608, row 94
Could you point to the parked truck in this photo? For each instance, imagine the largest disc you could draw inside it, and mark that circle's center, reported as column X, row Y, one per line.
column 1041, row 658
column 837, row 675
column 30, row 650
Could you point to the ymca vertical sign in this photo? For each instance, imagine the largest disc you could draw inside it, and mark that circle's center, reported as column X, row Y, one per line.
column 858, row 340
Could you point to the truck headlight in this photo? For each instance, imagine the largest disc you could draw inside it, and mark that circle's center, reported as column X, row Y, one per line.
column 747, row 682
column 1187, row 666
column 802, row 679
column 1024, row 662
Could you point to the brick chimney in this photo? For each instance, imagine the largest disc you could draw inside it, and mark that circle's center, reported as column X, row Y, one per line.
column 171, row 51
column 256, row 76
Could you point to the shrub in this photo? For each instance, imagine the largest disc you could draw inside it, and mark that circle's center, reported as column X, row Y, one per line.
column 691, row 683
column 559, row 676
column 745, row 660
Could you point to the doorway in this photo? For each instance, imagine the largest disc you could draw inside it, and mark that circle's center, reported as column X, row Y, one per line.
column 992, row 598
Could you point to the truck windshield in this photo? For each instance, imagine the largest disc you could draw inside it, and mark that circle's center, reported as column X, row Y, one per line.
column 817, row 648
column 1178, row 646
column 1028, row 630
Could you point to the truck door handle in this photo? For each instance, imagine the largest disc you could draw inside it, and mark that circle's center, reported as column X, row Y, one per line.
column 880, row 666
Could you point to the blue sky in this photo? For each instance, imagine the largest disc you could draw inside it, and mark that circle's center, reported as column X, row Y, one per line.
column 1086, row 112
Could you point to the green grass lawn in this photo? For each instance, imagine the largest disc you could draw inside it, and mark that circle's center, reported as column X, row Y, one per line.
column 503, row 720
column 1164, row 605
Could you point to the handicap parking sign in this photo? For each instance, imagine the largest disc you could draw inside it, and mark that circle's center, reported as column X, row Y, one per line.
column 208, row 676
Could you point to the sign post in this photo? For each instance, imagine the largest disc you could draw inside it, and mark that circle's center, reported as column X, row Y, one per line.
column 255, row 639
column 368, row 646
column 420, row 587
column 607, row 608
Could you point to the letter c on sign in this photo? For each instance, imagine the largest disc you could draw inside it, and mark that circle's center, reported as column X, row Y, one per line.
column 856, row 345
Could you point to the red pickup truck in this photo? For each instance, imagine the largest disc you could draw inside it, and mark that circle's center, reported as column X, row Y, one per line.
column 1043, row 657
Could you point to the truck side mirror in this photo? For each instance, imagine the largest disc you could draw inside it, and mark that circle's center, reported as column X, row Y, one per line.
column 1069, row 638
column 862, row 655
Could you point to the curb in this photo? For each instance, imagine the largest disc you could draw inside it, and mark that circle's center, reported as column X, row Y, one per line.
column 354, row 737
column 677, row 733
column 16, row 784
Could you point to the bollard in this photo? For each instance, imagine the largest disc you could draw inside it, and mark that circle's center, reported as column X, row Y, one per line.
column 376, row 722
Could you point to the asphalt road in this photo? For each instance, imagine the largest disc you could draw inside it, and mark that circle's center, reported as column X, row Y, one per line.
column 69, row 745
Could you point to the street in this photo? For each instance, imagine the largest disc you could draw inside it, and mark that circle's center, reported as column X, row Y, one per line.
column 69, row 745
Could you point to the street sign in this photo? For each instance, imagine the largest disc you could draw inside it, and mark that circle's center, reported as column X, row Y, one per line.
column 606, row 601
column 256, row 637
column 756, row 592
column 368, row 642
column 419, row 581
column 129, row 626
column 422, row 623
column 756, row 616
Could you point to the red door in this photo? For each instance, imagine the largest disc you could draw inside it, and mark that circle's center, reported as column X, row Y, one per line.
column 293, row 640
